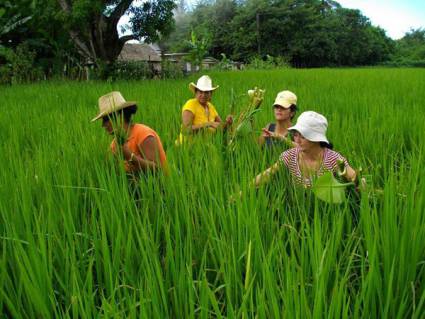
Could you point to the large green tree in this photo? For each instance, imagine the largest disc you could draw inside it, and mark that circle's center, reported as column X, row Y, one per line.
column 92, row 24
column 410, row 50
column 309, row 33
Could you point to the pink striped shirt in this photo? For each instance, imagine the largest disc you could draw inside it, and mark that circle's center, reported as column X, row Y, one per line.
column 329, row 163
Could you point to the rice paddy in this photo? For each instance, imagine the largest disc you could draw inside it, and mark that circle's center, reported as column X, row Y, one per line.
column 76, row 243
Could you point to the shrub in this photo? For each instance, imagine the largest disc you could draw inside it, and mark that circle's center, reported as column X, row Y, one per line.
column 267, row 63
column 131, row 70
column 224, row 64
column 20, row 66
column 171, row 70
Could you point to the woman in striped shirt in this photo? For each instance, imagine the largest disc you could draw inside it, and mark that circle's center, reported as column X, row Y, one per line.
column 312, row 156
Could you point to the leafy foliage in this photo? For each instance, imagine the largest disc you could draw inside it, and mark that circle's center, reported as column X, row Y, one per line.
column 92, row 25
column 327, row 188
column 305, row 33
column 410, row 50
column 198, row 49
column 19, row 66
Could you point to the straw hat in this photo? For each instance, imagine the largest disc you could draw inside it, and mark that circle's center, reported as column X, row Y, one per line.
column 312, row 126
column 110, row 103
column 285, row 99
column 204, row 84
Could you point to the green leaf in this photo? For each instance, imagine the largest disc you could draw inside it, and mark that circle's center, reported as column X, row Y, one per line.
column 244, row 128
column 328, row 189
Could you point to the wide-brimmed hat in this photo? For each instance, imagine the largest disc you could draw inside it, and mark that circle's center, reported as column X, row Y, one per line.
column 110, row 103
column 285, row 99
column 312, row 126
column 204, row 84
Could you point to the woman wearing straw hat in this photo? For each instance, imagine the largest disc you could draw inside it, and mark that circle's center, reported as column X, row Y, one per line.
column 138, row 144
column 312, row 156
column 199, row 114
column 285, row 107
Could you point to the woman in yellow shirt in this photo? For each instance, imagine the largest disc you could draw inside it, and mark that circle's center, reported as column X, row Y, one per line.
column 199, row 114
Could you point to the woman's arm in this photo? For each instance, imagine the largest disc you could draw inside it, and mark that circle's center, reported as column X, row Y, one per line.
column 346, row 171
column 149, row 159
column 350, row 174
column 265, row 176
column 187, row 120
column 224, row 125
column 265, row 133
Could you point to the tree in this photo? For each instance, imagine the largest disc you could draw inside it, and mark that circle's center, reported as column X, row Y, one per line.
column 9, row 21
column 410, row 50
column 198, row 49
column 92, row 25
column 176, row 41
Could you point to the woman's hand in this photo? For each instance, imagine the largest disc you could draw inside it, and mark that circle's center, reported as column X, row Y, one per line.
column 126, row 151
column 229, row 120
column 213, row 124
column 267, row 133
column 121, row 136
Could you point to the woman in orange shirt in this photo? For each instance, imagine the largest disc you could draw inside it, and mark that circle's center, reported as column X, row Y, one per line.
column 139, row 145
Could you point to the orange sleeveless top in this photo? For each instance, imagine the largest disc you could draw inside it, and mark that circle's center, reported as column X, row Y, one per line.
column 138, row 134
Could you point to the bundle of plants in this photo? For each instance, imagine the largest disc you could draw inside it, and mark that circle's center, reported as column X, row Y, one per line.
column 244, row 124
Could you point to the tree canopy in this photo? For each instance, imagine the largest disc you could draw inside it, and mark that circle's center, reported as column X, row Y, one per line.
column 309, row 33
column 60, row 35
column 92, row 24
column 410, row 50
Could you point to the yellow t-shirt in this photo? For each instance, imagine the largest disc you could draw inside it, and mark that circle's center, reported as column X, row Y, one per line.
column 199, row 115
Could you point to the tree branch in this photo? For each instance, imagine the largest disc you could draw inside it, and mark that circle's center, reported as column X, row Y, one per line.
column 126, row 38
column 81, row 46
column 120, row 10
column 66, row 6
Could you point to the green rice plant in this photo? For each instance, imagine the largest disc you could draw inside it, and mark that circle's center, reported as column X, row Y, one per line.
column 77, row 240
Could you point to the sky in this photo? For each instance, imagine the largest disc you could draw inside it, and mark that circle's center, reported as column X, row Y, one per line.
column 396, row 17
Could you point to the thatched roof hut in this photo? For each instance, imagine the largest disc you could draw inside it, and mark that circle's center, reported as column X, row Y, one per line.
column 138, row 52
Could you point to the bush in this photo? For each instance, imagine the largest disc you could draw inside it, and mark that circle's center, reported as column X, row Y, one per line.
column 267, row 63
column 141, row 70
column 224, row 64
column 19, row 66
column 403, row 63
column 134, row 70
column 171, row 70
column 5, row 74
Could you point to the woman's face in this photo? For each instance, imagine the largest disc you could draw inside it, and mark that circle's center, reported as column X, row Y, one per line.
column 281, row 113
column 302, row 142
column 107, row 125
column 109, row 122
column 203, row 96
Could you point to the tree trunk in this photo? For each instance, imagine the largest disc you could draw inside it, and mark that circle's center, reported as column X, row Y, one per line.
column 100, row 44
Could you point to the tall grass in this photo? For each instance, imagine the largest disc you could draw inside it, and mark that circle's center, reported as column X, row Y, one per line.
column 75, row 243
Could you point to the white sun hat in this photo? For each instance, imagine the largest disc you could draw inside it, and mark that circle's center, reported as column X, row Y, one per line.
column 204, row 84
column 312, row 126
column 285, row 99
column 110, row 103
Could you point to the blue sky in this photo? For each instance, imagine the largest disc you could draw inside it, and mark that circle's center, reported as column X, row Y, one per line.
column 394, row 16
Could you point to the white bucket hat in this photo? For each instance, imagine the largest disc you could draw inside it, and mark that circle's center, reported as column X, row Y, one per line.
column 204, row 84
column 312, row 126
column 110, row 103
column 285, row 99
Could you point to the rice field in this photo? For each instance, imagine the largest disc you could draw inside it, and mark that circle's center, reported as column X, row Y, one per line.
column 75, row 243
